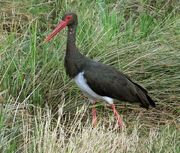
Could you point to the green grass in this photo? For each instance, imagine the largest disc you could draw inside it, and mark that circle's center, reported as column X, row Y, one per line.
column 42, row 110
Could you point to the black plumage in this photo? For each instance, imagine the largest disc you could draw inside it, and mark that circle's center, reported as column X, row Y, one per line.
column 104, row 80
column 107, row 81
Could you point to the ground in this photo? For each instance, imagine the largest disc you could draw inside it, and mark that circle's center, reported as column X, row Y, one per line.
column 42, row 110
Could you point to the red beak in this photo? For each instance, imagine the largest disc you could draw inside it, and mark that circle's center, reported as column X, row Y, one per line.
column 59, row 27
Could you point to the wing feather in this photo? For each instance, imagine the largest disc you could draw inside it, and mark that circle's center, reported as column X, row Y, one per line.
column 107, row 81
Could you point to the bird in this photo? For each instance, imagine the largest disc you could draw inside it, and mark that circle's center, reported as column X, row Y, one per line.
column 97, row 81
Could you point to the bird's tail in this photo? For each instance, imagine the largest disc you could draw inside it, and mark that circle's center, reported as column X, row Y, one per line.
column 144, row 98
column 151, row 102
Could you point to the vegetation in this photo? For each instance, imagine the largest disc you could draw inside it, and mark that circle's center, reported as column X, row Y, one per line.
column 42, row 110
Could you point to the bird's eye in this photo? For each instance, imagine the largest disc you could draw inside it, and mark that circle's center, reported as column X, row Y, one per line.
column 69, row 17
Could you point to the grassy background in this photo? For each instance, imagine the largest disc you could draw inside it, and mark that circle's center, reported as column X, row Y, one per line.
column 41, row 110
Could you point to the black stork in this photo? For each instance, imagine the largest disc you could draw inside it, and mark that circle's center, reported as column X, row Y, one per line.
column 96, row 80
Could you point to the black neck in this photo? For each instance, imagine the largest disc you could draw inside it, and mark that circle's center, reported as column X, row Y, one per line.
column 71, row 39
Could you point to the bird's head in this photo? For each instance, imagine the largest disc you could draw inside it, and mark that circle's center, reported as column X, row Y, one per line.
column 68, row 19
column 71, row 18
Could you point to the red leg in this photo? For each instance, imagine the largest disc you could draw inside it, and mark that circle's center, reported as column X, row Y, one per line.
column 94, row 115
column 119, row 120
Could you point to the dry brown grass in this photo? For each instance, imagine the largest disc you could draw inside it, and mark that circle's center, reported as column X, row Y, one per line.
column 41, row 133
column 42, row 111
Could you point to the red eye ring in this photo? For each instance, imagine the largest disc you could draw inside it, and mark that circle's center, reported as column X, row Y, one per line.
column 69, row 17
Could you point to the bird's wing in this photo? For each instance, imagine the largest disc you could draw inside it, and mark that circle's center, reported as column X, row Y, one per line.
column 107, row 81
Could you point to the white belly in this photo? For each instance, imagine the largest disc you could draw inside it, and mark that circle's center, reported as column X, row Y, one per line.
column 82, row 84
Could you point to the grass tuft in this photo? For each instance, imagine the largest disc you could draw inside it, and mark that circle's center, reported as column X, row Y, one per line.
column 42, row 110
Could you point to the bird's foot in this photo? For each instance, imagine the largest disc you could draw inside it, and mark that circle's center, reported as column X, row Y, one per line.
column 118, row 118
column 94, row 115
